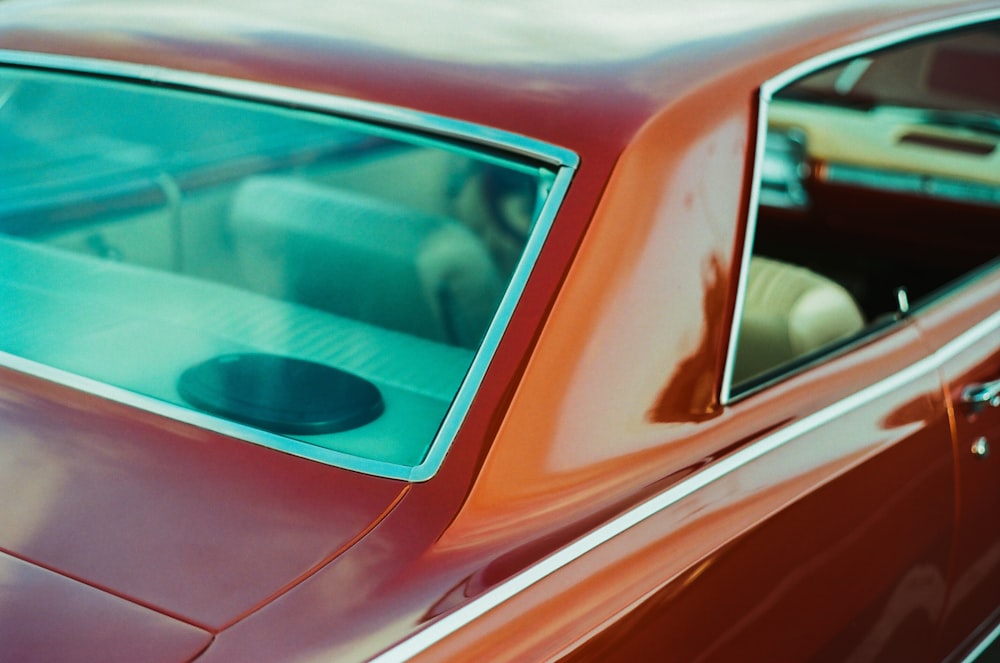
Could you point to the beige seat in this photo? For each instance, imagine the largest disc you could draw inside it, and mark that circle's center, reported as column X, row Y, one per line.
column 364, row 258
column 789, row 311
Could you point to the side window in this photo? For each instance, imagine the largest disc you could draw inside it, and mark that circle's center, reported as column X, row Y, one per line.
column 880, row 187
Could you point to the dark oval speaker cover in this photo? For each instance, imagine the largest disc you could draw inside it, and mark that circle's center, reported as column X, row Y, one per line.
column 281, row 394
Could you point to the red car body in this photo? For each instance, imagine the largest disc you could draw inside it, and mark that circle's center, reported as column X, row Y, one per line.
column 604, row 498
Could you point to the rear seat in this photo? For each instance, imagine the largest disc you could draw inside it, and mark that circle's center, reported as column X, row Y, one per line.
column 788, row 312
column 365, row 259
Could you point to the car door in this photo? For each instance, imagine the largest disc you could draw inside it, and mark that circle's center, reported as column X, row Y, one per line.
column 881, row 179
column 964, row 330
column 852, row 512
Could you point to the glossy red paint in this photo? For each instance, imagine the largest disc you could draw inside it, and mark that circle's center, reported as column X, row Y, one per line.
column 975, row 570
column 93, row 625
column 851, row 539
column 223, row 528
column 775, row 563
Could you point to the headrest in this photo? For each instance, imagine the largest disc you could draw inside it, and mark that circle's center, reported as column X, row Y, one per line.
column 789, row 311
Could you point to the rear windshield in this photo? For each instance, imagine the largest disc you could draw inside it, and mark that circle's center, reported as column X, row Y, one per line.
column 318, row 284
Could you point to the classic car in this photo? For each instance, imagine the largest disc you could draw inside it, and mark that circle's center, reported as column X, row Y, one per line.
column 499, row 331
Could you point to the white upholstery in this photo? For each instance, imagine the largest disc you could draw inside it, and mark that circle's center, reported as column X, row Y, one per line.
column 363, row 258
column 789, row 311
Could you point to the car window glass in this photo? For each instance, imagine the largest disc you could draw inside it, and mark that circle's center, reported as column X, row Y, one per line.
column 879, row 187
column 303, row 275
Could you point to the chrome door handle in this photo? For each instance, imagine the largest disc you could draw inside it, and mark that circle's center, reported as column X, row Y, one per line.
column 979, row 396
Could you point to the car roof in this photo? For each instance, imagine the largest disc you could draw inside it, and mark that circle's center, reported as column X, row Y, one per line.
column 582, row 74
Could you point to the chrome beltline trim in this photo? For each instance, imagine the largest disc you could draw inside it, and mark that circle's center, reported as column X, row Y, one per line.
column 463, row 616
column 983, row 645
column 412, row 123
column 767, row 91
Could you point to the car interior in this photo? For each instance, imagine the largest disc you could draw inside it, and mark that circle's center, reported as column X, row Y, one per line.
column 880, row 187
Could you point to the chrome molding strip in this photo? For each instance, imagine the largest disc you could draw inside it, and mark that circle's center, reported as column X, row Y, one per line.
column 767, row 91
column 468, row 613
column 751, row 232
column 201, row 419
column 298, row 99
column 983, row 645
column 406, row 121
column 453, row 420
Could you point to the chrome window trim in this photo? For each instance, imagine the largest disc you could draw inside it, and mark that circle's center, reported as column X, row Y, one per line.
column 466, row 614
column 767, row 91
column 467, row 391
column 299, row 99
column 983, row 645
column 413, row 123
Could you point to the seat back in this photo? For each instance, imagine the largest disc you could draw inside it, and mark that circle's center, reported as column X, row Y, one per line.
column 789, row 311
column 364, row 258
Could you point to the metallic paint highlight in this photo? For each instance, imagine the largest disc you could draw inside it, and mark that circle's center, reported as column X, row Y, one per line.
column 466, row 614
